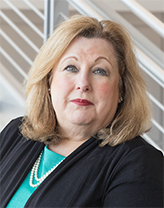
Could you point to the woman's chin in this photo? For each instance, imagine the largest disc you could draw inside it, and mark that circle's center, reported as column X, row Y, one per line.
column 81, row 117
column 81, row 121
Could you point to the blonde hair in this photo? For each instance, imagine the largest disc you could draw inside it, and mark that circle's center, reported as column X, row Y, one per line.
column 133, row 114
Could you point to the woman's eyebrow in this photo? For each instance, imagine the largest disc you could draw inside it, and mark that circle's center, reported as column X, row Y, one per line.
column 70, row 57
column 102, row 57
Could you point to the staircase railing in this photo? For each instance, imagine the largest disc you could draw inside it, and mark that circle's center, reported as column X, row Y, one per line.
column 146, row 16
column 17, row 48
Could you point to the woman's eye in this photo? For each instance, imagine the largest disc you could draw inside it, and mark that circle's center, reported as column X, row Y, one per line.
column 71, row 68
column 100, row 71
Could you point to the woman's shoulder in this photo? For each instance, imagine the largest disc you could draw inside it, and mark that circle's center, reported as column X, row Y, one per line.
column 140, row 145
column 136, row 160
column 12, row 128
column 13, row 124
column 10, row 136
column 135, row 170
column 136, row 149
column 11, row 139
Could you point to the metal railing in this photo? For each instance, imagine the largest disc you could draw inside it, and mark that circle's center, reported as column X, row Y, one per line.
column 146, row 16
column 149, row 61
column 20, row 33
column 18, row 50
column 31, row 43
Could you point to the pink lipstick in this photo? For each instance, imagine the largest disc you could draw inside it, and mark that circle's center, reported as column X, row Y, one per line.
column 81, row 102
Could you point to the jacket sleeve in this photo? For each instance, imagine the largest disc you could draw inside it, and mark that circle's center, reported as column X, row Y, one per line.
column 137, row 180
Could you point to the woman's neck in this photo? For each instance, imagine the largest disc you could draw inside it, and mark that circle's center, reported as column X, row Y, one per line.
column 66, row 147
column 73, row 136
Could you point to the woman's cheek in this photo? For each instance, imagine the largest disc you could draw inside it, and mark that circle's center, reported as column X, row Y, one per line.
column 108, row 91
column 104, row 89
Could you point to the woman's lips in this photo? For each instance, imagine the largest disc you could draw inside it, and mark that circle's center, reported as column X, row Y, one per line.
column 81, row 102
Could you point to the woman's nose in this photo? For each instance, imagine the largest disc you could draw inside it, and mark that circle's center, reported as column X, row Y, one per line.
column 83, row 88
column 83, row 83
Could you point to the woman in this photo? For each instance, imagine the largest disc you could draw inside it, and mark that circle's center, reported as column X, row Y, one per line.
column 79, row 145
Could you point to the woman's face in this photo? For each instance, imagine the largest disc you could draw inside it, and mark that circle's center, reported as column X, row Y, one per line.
column 84, row 88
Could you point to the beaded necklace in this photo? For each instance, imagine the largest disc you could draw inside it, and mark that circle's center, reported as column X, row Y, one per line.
column 34, row 172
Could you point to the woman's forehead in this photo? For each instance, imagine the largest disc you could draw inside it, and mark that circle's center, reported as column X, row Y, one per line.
column 93, row 47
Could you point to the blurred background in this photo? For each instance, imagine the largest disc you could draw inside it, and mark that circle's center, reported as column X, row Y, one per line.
column 26, row 24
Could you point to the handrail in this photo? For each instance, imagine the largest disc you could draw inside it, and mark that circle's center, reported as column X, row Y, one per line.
column 63, row 16
column 149, row 140
column 49, row 19
column 5, row 36
column 159, row 127
column 34, row 9
column 12, row 85
column 18, row 68
column 85, row 9
column 52, row 3
column 19, row 31
column 22, row 16
column 52, row 15
column 151, row 75
column 156, row 71
column 146, row 16
column 154, row 100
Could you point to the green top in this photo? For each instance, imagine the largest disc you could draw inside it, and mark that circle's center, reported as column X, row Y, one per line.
column 49, row 160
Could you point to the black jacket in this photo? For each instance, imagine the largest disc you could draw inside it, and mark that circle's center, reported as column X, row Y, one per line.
column 127, row 175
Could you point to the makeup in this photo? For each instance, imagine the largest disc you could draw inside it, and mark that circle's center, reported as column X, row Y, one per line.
column 81, row 102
